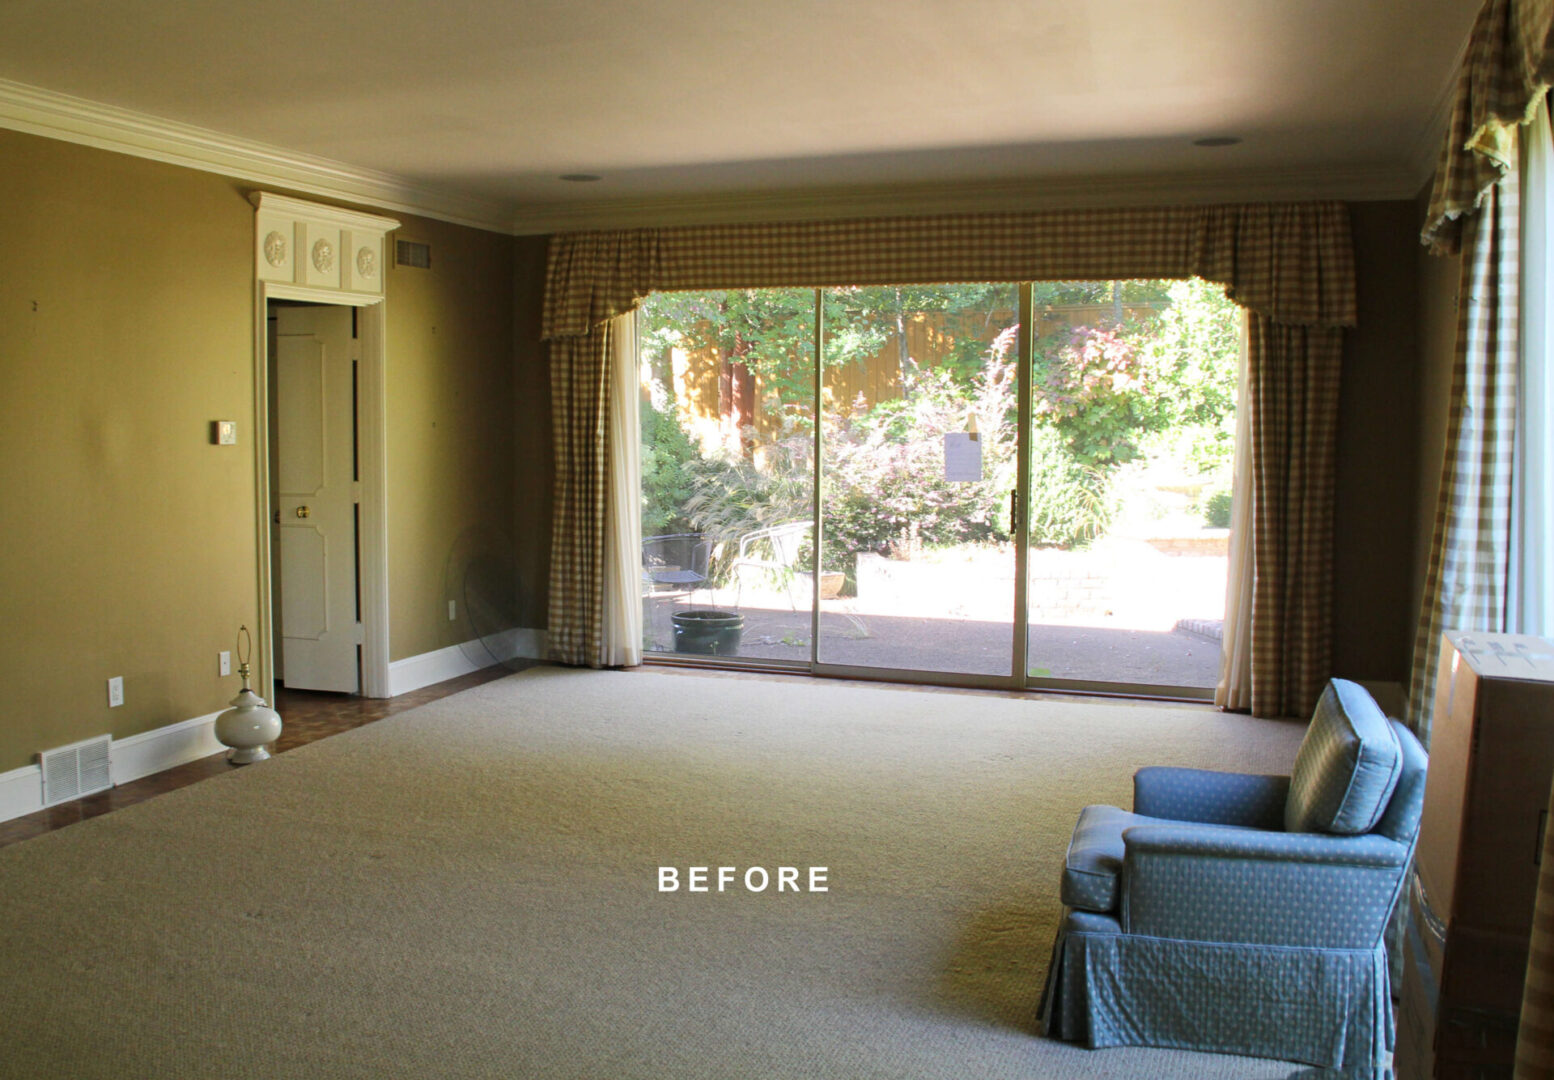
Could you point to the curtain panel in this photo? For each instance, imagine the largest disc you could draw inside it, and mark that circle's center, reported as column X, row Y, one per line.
column 1291, row 265
column 1234, row 690
column 1466, row 576
column 579, row 388
column 1506, row 70
column 1292, row 375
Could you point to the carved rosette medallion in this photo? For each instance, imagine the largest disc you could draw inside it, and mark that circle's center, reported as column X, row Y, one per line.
column 366, row 262
column 323, row 256
column 275, row 248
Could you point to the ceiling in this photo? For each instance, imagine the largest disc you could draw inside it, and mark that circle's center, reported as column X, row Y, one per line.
column 690, row 106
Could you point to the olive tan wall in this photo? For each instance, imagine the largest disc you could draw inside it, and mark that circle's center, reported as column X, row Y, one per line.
column 449, row 346
column 126, row 326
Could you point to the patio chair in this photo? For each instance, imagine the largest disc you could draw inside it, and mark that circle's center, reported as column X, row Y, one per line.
column 1246, row 914
column 768, row 558
column 675, row 562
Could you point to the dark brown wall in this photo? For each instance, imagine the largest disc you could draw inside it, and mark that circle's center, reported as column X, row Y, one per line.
column 1438, row 289
column 1378, row 450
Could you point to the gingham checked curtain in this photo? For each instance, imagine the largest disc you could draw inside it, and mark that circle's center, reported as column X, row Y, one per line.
column 1292, row 377
column 1291, row 265
column 579, row 388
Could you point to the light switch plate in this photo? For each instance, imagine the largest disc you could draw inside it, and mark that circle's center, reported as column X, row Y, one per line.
column 115, row 691
column 223, row 432
column 224, row 662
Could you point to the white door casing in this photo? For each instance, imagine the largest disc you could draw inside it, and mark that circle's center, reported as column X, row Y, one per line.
column 288, row 262
column 315, row 533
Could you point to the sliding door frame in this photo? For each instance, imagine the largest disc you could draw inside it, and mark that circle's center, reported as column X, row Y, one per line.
column 1018, row 678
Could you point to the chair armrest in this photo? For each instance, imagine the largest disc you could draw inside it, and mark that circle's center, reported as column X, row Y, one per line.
column 1213, row 798
column 1215, row 883
column 1236, row 843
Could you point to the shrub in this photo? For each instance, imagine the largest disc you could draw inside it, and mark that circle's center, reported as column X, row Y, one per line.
column 1071, row 502
column 1216, row 510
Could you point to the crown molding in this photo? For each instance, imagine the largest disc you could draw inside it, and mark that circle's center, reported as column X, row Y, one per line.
column 1346, row 183
column 37, row 111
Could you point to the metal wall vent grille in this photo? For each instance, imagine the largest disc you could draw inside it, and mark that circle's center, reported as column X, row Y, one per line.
column 413, row 253
column 75, row 770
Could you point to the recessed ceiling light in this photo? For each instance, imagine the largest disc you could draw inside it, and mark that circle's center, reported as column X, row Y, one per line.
column 1217, row 140
column 580, row 177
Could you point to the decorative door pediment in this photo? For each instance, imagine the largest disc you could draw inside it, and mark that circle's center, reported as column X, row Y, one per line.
column 319, row 247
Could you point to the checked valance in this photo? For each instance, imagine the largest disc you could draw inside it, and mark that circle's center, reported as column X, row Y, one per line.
column 1507, row 69
column 1292, row 263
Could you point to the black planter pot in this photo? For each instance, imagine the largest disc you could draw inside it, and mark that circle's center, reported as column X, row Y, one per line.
column 707, row 631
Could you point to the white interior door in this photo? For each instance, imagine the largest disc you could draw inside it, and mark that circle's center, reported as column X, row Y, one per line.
column 315, row 498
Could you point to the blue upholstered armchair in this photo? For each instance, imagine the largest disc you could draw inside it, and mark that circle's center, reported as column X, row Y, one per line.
column 1246, row 914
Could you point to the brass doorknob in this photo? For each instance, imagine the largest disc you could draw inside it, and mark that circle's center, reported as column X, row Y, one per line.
column 303, row 511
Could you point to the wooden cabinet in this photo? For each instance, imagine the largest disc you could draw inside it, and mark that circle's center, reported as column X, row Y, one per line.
column 1476, row 870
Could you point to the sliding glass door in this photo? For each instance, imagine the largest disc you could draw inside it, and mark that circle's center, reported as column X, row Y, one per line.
column 1133, row 387
column 987, row 484
column 728, row 473
column 919, row 435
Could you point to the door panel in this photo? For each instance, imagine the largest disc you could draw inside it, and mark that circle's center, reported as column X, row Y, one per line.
column 1130, row 460
column 315, row 501
column 305, row 583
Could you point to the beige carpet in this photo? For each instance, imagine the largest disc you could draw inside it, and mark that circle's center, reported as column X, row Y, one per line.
column 469, row 889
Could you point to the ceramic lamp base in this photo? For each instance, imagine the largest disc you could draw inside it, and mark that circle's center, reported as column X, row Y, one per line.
column 248, row 727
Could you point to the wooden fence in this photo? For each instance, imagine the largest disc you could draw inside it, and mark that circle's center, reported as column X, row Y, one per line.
column 716, row 399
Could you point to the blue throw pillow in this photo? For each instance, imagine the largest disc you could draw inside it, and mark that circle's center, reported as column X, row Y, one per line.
column 1348, row 765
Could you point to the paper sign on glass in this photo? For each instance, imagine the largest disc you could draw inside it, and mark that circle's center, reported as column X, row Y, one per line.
column 962, row 456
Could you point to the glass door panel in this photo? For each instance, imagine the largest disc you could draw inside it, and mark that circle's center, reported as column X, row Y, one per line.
column 1133, row 395
column 727, row 392
column 918, row 464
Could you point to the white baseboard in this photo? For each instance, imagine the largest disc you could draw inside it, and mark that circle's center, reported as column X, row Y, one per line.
column 164, row 747
column 21, row 790
column 428, row 669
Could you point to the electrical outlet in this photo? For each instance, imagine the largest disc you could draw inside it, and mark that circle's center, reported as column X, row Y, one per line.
column 116, row 691
column 224, row 660
column 453, row 610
